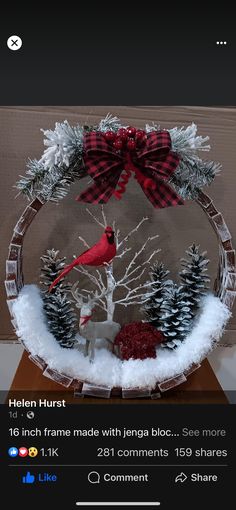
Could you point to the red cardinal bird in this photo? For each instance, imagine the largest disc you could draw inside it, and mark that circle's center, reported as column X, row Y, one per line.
column 102, row 252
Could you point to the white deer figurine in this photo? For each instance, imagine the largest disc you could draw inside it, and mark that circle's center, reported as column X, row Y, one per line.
column 92, row 330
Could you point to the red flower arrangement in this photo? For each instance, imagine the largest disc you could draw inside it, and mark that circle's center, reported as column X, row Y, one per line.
column 138, row 340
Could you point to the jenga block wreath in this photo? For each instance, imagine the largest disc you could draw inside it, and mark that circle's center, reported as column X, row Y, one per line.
column 180, row 322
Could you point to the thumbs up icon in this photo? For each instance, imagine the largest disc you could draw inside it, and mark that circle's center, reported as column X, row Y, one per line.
column 28, row 478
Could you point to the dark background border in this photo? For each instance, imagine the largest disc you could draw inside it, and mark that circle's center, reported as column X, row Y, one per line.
column 112, row 53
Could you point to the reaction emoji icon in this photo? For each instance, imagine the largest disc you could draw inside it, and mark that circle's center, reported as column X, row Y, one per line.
column 23, row 452
column 32, row 452
column 13, row 451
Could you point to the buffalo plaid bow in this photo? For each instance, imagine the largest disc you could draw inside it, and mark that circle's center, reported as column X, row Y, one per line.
column 153, row 164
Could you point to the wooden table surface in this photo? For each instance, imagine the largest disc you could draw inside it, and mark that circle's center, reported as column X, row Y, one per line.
column 201, row 386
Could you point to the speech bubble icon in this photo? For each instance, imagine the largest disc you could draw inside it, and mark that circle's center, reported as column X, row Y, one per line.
column 94, row 477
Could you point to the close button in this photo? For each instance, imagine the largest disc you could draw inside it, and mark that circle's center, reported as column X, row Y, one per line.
column 14, row 42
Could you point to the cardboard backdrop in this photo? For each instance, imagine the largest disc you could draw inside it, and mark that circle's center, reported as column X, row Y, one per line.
column 58, row 226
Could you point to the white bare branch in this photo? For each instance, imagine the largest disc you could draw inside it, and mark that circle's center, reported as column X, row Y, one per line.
column 135, row 229
column 103, row 225
column 100, row 280
column 151, row 256
column 133, row 291
column 89, row 275
column 102, row 306
column 117, row 235
column 84, row 242
column 135, row 278
column 129, row 271
column 132, row 300
column 104, row 217
column 121, row 255
column 100, row 296
column 141, row 302
column 133, row 294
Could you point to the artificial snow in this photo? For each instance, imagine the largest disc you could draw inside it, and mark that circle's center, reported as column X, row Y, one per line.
column 107, row 369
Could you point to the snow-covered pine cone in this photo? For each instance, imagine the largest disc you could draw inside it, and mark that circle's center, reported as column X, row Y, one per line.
column 176, row 317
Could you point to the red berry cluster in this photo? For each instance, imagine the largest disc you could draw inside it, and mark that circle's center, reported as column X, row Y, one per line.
column 126, row 138
column 138, row 340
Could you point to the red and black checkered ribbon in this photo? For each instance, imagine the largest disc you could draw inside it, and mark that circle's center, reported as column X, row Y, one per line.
column 152, row 164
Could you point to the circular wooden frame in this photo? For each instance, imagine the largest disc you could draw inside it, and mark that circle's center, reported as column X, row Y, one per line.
column 224, row 288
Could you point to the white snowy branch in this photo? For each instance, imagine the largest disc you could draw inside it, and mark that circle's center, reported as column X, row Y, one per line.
column 117, row 234
column 104, row 217
column 89, row 275
column 138, row 277
column 134, row 294
column 100, row 280
column 84, row 242
column 134, row 301
column 135, row 229
column 129, row 271
column 151, row 257
column 104, row 224
column 102, row 306
column 121, row 255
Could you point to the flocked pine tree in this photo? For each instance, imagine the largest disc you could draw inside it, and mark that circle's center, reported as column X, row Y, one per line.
column 159, row 285
column 193, row 277
column 59, row 312
column 176, row 317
